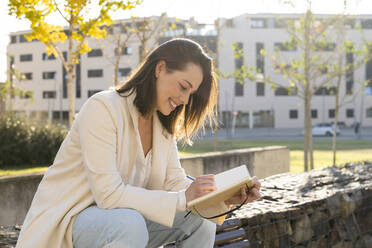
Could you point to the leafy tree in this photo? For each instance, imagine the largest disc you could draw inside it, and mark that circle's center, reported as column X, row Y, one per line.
column 308, row 73
column 148, row 30
column 10, row 88
column 345, row 69
column 119, row 35
column 80, row 26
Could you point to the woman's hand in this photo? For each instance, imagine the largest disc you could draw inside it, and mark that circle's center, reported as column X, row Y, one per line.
column 254, row 194
column 202, row 185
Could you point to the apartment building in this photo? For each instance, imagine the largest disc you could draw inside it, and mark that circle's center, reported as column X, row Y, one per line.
column 255, row 104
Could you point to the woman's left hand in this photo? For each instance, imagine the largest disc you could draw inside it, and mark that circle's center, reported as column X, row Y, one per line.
column 254, row 194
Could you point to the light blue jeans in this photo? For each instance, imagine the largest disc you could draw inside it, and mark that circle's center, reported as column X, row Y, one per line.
column 127, row 228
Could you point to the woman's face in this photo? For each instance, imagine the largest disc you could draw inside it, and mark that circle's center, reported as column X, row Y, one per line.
column 174, row 88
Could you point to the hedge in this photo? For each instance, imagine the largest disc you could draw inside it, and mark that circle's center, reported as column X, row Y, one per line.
column 27, row 143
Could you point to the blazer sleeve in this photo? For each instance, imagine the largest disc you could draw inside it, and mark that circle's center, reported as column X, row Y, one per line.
column 96, row 124
column 176, row 179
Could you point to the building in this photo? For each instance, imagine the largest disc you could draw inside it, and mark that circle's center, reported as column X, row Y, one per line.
column 255, row 104
column 46, row 77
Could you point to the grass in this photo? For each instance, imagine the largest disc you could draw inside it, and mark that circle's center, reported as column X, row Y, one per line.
column 21, row 169
column 347, row 151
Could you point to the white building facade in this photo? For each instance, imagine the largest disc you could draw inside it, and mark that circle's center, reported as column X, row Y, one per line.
column 255, row 104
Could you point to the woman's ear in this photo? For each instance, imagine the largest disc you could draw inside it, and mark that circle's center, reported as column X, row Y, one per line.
column 160, row 68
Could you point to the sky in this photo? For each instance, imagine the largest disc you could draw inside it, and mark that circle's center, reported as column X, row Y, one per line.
column 204, row 11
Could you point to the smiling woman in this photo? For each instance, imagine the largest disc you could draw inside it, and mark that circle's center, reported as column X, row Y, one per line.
column 176, row 81
column 117, row 180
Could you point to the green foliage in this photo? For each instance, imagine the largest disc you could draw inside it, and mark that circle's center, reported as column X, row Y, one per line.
column 23, row 142
column 7, row 89
column 77, row 15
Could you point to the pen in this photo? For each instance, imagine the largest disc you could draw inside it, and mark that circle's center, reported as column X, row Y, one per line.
column 191, row 178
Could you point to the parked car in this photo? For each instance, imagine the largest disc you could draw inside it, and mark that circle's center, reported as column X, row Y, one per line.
column 324, row 129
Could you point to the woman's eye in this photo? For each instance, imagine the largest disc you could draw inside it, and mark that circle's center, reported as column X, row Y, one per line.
column 182, row 87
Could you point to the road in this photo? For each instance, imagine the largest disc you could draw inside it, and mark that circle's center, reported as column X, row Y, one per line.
column 284, row 133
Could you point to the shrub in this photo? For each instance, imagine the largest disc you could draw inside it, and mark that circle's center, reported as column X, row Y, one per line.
column 27, row 143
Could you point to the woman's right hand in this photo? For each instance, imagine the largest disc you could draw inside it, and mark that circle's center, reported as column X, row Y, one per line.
column 202, row 185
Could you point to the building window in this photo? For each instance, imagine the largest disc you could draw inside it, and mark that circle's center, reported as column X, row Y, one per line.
column 49, row 75
column 26, row 95
column 325, row 91
column 13, row 39
column 229, row 23
column 92, row 92
column 25, row 57
column 281, row 91
column 258, row 23
column 123, row 72
column 50, row 57
column 49, row 94
column 285, row 46
column 331, row 113
column 239, row 89
column 366, row 23
column 349, row 113
column 325, row 47
column 369, row 112
column 293, row 114
column 22, row 38
column 368, row 73
column 349, row 73
column 95, row 73
column 260, row 89
column 260, row 59
column 95, row 53
column 60, row 115
column 27, row 76
column 124, row 51
column 314, row 113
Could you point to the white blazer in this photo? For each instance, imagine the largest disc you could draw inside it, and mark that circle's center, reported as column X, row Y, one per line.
column 93, row 166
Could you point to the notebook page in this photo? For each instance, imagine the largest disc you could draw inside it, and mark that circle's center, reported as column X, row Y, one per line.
column 228, row 177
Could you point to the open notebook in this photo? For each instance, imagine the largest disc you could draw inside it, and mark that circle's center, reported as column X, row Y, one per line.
column 228, row 184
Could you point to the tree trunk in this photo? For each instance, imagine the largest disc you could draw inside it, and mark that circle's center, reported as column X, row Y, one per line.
column 142, row 51
column 308, row 133
column 70, row 81
column 117, row 62
column 307, row 96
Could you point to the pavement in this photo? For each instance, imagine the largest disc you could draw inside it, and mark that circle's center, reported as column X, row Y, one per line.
column 284, row 133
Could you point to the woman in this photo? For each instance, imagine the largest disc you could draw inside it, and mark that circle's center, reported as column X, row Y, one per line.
column 116, row 180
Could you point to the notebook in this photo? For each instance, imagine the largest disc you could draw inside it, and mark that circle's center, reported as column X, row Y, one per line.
column 228, row 184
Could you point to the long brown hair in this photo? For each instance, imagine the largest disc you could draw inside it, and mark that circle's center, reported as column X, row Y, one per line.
column 185, row 120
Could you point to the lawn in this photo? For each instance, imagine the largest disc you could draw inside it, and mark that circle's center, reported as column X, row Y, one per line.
column 348, row 151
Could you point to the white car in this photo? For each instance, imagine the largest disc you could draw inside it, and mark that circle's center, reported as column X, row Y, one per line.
column 324, row 129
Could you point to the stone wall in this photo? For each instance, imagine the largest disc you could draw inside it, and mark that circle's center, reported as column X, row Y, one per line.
column 331, row 207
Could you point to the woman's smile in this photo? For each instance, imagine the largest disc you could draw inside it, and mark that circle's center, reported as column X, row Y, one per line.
column 172, row 104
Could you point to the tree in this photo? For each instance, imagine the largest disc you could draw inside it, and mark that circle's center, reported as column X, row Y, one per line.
column 355, row 57
column 11, row 88
column 148, row 31
column 119, row 35
column 240, row 73
column 312, row 72
column 79, row 27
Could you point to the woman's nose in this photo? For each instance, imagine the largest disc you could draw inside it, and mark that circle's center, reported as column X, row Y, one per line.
column 185, row 98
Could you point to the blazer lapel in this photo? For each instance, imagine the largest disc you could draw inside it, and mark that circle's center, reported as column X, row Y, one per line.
column 134, row 126
column 160, row 145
